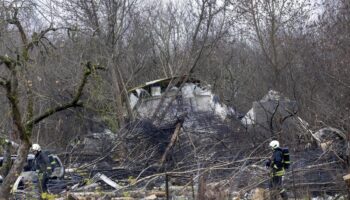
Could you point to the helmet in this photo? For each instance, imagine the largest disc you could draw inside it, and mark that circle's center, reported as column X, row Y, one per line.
column 36, row 147
column 274, row 144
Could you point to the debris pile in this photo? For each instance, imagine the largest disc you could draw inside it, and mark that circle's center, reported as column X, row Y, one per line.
column 197, row 139
column 200, row 147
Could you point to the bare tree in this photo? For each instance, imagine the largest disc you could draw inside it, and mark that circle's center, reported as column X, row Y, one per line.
column 18, row 85
column 272, row 22
column 201, row 38
column 106, row 23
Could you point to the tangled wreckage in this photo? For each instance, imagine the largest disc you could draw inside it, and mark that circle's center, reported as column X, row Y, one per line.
column 28, row 181
column 184, row 142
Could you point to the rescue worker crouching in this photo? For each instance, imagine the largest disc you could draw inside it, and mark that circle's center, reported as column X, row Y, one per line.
column 42, row 167
column 276, row 164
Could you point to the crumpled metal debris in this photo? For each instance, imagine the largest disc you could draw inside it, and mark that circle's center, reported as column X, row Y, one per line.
column 331, row 139
column 93, row 183
column 191, row 96
column 262, row 110
column 26, row 186
column 108, row 181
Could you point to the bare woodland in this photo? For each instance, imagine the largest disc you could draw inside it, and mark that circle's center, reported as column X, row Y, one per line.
column 66, row 68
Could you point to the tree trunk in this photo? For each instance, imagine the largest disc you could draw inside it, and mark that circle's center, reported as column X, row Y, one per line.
column 118, row 98
column 15, row 171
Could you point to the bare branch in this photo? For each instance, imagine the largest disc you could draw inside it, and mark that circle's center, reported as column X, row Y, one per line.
column 89, row 68
column 174, row 138
column 22, row 33
column 52, row 111
column 337, row 79
column 36, row 38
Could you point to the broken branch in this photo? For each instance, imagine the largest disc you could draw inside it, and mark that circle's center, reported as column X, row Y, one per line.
column 172, row 142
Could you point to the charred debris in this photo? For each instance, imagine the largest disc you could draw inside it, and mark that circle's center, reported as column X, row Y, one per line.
column 184, row 137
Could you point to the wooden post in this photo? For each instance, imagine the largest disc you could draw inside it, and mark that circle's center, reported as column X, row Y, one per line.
column 167, row 186
column 295, row 194
column 201, row 187
column 347, row 181
column 192, row 185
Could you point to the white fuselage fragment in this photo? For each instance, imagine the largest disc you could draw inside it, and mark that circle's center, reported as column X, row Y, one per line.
column 191, row 98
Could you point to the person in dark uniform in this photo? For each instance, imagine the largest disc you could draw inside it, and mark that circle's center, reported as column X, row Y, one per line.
column 42, row 166
column 277, row 170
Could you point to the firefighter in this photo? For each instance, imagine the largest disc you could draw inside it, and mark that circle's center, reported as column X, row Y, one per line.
column 42, row 167
column 276, row 164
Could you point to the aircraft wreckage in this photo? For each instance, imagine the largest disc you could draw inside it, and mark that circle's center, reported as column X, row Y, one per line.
column 183, row 136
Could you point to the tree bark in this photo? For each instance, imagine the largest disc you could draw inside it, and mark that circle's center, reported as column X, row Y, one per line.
column 18, row 165
column 118, row 99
